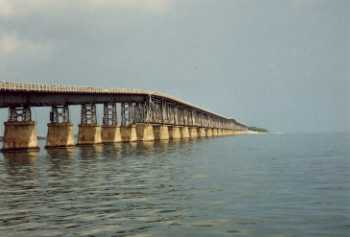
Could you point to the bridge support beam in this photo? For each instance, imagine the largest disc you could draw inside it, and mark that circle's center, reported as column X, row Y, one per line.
column 20, row 131
column 174, row 132
column 194, row 132
column 89, row 130
column 59, row 130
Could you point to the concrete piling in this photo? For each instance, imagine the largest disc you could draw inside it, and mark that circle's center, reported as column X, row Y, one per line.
column 89, row 134
column 59, row 135
column 20, row 136
column 111, row 134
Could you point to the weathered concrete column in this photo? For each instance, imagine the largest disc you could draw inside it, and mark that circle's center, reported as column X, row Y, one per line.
column 89, row 130
column 20, row 136
column 209, row 132
column 129, row 133
column 59, row 135
column 89, row 134
column 111, row 134
column 174, row 132
column 161, row 132
column 193, row 132
column 59, row 130
column 185, row 133
column 20, row 132
column 220, row 132
column 145, row 132
column 202, row 132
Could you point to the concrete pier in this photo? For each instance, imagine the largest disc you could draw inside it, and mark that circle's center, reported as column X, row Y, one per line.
column 215, row 132
column 202, row 133
column 174, row 132
column 145, row 132
column 209, row 132
column 111, row 134
column 161, row 132
column 185, row 133
column 89, row 134
column 59, row 135
column 129, row 133
column 20, row 136
column 220, row 132
column 193, row 132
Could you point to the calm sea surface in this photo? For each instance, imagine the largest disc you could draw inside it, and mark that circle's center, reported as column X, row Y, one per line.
column 257, row 185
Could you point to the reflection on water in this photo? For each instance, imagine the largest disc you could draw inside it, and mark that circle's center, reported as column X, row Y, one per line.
column 231, row 186
column 20, row 163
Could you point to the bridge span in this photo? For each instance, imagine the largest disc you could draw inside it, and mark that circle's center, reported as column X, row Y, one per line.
column 129, row 115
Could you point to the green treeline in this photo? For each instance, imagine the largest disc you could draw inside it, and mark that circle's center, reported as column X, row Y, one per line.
column 256, row 129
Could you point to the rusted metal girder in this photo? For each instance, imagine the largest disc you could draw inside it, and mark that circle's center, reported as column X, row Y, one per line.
column 59, row 114
column 20, row 114
column 88, row 114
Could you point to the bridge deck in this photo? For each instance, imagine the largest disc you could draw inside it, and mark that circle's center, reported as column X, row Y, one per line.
column 49, row 94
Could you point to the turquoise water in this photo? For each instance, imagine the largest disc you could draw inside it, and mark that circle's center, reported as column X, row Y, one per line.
column 256, row 185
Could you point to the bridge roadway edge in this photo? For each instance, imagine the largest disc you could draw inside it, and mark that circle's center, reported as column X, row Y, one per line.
column 163, row 117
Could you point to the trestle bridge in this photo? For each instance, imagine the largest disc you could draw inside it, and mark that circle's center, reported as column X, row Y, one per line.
column 129, row 115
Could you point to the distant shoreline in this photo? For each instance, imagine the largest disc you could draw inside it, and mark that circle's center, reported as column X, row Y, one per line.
column 257, row 130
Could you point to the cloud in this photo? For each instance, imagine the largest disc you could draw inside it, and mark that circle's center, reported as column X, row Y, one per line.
column 6, row 8
column 8, row 44
column 11, row 45
column 301, row 5
column 10, row 8
column 158, row 5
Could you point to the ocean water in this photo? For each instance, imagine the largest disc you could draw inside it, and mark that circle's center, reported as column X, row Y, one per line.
column 256, row 185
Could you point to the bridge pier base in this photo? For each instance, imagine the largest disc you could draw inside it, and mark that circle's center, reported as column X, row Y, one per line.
column 110, row 134
column 220, row 133
column 128, row 133
column 194, row 132
column 185, row 133
column 20, row 135
column 202, row 133
column 174, row 132
column 59, row 135
column 215, row 132
column 209, row 132
column 161, row 132
column 145, row 132
column 89, row 134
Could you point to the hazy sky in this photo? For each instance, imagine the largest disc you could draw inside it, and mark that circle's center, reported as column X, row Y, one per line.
column 283, row 65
